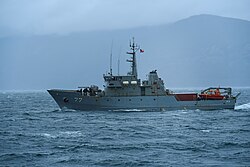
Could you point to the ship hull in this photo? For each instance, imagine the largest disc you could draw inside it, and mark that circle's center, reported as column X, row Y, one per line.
column 72, row 99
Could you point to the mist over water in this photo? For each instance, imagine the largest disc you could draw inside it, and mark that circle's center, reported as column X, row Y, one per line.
column 199, row 51
column 34, row 132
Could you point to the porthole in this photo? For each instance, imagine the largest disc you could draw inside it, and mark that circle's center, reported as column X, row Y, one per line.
column 118, row 99
column 129, row 99
column 65, row 99
column 154, row 99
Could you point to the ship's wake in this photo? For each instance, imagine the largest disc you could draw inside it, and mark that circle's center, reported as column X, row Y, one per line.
column 243, row 107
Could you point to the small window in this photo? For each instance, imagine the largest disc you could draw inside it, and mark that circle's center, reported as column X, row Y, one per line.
column 129, row 99
column 133, row 82
column 125, row 82
column 154, row 99
column 118, row 99
column 65, row 99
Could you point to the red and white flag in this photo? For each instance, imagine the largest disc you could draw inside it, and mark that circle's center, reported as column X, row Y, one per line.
column 141, row 50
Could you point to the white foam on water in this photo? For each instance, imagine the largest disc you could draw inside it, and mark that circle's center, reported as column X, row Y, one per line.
column 134, row 110
column 131, row 110
column 70, row 134
column 243, row 107
column 48, row 135
column 66, row 134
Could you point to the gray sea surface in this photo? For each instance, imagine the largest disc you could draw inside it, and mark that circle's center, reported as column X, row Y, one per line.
column 35, row 132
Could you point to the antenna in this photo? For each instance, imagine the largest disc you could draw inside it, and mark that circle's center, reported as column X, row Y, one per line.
column 118, row 63
column 110, row 68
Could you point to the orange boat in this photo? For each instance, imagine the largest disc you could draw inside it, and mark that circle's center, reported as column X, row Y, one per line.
column 214, row 94
column 211, row 97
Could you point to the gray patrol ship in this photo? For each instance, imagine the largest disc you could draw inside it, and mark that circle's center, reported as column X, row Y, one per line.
column 128, row 92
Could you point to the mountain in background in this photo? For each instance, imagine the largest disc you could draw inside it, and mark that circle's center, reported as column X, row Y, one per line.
column 199, row 51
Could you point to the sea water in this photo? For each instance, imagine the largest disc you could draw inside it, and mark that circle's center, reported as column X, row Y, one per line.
column 35, row 132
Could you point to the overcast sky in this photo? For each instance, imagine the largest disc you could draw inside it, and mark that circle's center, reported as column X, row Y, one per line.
column 66, row 16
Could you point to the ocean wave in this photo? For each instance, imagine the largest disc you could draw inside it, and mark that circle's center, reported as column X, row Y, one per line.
column 40, row 134
column 35, row 111
column 14, row 156
column 66, row 134
column 64, row 109
column 205, row 130
column 243, row 107
column 129, row 110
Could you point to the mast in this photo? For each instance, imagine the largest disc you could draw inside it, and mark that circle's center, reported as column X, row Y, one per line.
column 111, row 56
column 118, row 62
column 134, row 48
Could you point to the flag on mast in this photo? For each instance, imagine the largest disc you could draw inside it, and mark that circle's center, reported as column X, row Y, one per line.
column 141, row 50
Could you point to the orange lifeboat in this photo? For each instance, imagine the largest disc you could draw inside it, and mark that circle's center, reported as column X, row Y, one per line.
column 211, row 94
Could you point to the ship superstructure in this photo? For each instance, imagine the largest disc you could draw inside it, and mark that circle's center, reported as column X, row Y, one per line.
column 122, row 92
